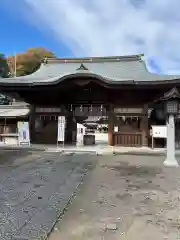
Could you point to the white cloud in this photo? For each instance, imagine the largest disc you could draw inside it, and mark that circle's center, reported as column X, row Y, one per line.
column 113, row 27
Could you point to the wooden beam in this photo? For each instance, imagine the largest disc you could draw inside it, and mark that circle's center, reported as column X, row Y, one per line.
column 144, row 126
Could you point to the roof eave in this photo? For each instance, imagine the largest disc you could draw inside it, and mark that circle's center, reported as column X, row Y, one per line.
column 58, row 79
column 159, row 82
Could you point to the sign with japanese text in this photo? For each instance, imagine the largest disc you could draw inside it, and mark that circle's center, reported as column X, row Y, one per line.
column 61, row 128
column 159, row 131
column 23, row 133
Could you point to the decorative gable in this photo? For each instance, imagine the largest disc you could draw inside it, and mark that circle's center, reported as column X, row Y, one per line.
column 82, row 67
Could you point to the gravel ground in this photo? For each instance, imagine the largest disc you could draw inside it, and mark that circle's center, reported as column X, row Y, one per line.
column 35, row 187
column 125, row 197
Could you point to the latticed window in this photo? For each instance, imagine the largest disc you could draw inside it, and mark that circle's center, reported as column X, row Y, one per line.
column 172, row 107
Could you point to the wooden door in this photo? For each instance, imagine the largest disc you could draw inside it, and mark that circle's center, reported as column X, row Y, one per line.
column 129, row 132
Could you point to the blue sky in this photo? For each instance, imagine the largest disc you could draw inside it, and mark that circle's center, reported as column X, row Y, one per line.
column 17, row 35
column 95, row 28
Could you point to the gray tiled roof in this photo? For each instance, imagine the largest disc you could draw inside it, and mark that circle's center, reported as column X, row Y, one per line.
column 110, row 69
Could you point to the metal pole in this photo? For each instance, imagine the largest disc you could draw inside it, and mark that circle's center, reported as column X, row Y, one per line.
column 4, row 130
column 57, row 131
column 15, row 68
column 171, row 160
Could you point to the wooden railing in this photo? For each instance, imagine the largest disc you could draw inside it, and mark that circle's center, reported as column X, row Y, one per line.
column 128, row 139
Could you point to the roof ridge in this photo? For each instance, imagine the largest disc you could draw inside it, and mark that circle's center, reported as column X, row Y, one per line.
column 125, row 58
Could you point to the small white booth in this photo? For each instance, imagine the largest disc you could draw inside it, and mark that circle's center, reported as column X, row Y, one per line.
column 11, row 134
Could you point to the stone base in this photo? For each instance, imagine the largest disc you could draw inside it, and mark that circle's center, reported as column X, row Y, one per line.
column 171, row 163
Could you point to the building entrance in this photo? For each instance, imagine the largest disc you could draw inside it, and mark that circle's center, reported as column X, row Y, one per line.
column 115, row 126
column 45, row 127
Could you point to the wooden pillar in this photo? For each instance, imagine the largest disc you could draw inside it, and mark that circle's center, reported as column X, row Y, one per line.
column 111, row 125
column 32, row 123
column 71, row 128
column 144, row 126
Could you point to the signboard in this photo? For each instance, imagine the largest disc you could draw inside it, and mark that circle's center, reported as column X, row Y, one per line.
column 47, row 110
column 23, row 133
column 128, row 110
column 61, row 128
column 159, row 131
column 115, row 128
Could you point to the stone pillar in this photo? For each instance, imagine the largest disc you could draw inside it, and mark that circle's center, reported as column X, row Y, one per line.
column 170, row 156
column 111, row 125
column 144, row 126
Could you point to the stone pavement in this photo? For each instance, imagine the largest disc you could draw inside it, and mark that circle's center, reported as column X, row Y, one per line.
column 125, row 197
column 35, row 189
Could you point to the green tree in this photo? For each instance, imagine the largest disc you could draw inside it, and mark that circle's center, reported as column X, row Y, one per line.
column 4, row 68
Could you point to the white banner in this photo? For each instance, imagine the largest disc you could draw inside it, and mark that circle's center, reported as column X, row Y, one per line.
column 81, row 130
column 23, row 133
column 61, row 128
column 159, row 131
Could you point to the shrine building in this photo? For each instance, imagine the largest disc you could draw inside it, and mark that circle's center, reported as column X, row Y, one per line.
column 119, row 88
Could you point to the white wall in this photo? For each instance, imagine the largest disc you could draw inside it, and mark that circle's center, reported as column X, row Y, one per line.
column 101, row 137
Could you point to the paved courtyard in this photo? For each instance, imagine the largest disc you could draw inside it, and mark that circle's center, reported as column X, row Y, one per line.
column 121, row 197
column 35, row 187
column 125, row 197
